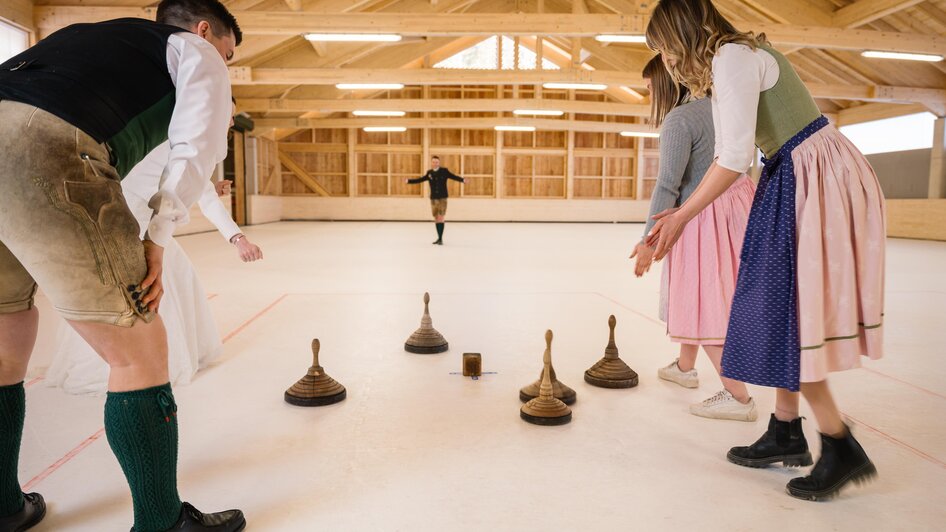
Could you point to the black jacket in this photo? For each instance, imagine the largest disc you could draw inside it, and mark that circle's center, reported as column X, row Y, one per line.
column 438, row 181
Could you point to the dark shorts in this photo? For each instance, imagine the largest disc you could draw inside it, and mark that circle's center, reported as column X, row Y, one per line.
column 438, row 207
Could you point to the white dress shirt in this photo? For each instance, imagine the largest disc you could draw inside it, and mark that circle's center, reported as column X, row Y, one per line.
column 144, row 179
column 740, row 74
column 197, row 134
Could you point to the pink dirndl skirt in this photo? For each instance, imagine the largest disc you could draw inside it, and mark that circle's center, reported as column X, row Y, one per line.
column 701, row 270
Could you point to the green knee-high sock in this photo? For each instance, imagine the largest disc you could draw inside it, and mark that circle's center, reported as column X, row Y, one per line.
column 12, row 412
column 141, row 427
column 440, row 231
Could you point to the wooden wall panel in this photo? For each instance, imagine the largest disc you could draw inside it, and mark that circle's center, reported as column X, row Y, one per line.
column 923, row 219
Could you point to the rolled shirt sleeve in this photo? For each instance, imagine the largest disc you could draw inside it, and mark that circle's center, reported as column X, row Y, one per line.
column 197, row 132
column 738, row 75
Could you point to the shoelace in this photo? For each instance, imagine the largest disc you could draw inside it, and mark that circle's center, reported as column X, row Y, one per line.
column 720, row 397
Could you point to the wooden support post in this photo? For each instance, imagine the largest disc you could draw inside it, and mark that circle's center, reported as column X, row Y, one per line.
column 539, row 57
column 239, row 172
column 352, row 162
column 639, row 169
column 500, row 181
column 938, row 160
column 515, row 54
column 570, row 165
column 499, row 52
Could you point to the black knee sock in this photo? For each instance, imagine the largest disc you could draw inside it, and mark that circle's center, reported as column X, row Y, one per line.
column 439, row 230
column 141, row 427
column 12, row 412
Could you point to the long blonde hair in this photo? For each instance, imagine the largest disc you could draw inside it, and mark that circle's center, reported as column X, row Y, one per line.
column 690, row 33
column 665, row 93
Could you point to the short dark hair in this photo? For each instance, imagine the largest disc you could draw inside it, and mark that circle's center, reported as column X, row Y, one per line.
column 435, row 157
column 186, row 13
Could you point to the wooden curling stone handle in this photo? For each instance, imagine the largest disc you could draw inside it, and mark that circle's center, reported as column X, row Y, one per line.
column 472, row 364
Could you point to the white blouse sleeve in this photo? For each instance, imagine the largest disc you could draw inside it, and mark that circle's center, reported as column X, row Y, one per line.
column 738, row 77
column 197, row 132
column 218, row 215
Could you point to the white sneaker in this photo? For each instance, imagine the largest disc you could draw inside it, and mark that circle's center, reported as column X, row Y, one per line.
column 672, row 373
column 724, row 406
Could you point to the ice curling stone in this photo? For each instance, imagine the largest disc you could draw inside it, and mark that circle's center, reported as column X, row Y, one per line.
column 559, row 390
column 546, row 409
column 315, row 388
column 611, row 371
column 426, row 340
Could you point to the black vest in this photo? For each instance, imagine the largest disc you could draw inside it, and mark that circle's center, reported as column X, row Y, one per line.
column 108, row 79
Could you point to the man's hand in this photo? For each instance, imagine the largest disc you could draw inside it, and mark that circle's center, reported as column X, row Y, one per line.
column 247, row 250
column 222, row 187
column 152, row 288
column 645, row 258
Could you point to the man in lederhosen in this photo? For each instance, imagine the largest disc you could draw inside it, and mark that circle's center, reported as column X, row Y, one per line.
column 77, row 112
column 437, row 176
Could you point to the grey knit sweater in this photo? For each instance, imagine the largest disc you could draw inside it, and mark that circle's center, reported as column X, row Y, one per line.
column 686, row 152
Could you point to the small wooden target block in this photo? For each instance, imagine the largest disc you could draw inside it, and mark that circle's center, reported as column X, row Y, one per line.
column 472, row 364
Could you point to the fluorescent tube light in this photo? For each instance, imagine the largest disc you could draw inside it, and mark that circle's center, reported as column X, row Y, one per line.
column 538, row 112
column 382, row 129
column 368, row 86
column 378, row 113
column 577, row 86
column 640, row 134
column 899, row 55
column 514, row 128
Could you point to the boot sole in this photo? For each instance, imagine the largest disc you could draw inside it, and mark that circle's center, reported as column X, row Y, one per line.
column 788, row 460
column 680, row 384
column 749, row 418
column 33, row 522
column 37, row 519
column 860, row 476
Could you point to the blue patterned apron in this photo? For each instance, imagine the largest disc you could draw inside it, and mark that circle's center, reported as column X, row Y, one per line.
column 762, row 343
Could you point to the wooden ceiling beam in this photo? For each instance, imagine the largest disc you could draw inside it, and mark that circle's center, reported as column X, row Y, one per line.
column 434, row 105
column 792, row 12
column 876, row 111
column 240, row 75
column 331, row 76
column 50, row 18
column 850, row 39
column 19, row 12
column 864, row 11
column 451, row 123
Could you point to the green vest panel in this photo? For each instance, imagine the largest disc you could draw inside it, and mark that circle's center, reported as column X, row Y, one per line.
column 784, row 110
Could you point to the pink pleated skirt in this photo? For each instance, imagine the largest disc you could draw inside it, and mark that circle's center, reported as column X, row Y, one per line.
column 701, row 270
column 841, row 235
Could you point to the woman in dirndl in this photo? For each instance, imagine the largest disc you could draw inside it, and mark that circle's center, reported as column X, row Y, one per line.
column 810, row 291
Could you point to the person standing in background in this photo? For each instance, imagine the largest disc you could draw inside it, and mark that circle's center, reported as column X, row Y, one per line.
column 437, row 177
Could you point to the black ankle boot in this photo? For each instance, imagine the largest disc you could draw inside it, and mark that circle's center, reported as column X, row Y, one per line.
column 33, row 511
column 842, row 460
column 783, row 442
